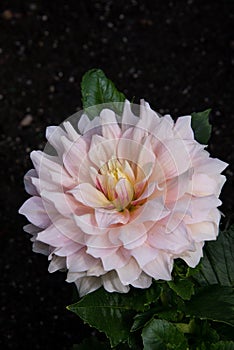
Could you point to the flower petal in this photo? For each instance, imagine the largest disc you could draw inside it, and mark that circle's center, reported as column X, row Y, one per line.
column 29, row 187
column 112, row 283
column 203, row 231
column 90, row 196
column 174, row 239
column 153, row 210
column 110, row 127
column 102, row 150
column 192, row 258
column 174, row 157
column 144, row 254
column 80, row 262
column 125, row 192
column 105, row 217
column 86, row 285
column 132, row 236
column 35, row 212
column 182, row 128
column 57, row 263
column 160, row 267
column 114, row 260
column 53, row 135
column 143, row 281
column 129, row 272
column 128, row 118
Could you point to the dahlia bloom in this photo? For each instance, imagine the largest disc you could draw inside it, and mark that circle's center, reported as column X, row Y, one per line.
column 122, row 198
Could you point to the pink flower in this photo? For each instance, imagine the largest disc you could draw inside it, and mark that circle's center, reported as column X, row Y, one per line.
column 122, row 199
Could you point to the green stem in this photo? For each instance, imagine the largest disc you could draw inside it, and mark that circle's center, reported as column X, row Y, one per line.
column 164, row 297
column 186, row 327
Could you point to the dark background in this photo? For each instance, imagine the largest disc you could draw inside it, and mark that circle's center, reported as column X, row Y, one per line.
column 178, row 55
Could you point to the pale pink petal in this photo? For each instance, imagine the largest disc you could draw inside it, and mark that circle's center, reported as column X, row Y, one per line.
column 177, row 186
column 144, row 254
column 83, row 123
column 173, row 157
column 164, row 130
column 149, row 119
column 86, row 285
column 99, row 244
column 63, row 202
column 73, row 276
column 47, row 185
column 43, row 163
column 90, row 196
column 112, row 283
column 57, row 263
column 53, row 135
column 132, row 236
column 66, row 229
column 68, row 249
column 176, row 241
column 87, row 223
column 182, row 207
column 35, row 212
column 41, row 248
column 72, row 134
column 192, row 258
column 129, row 272
column 143, row 281
column 149, row 189
column 182, row 128
column 105, row 217
column 127, row 169
column 125, row 192
column 62, row 180
column 135, row 152
column 52, row 236
column 80, row 262
column 142, row 176
column 203, row 184
column 214, row 215
column 209, row 165
column 89, row 127
column 114, row 260
column 102, row 182
column 113, row 236
column 152, row 210
column 200, row 207
column 74, row 158
column 32, row 229
column 110, row 127
column 29, row 187
column 203, row 231
column 102, row 150
column 160, row 267
column 128, row 118
column 96, row 270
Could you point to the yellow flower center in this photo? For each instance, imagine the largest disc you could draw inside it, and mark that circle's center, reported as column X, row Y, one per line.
column 117, row 182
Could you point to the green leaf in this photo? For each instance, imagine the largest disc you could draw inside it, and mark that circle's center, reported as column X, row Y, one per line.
column 112, row 313
column 170, row 315
column 217, row 266
column 162, row 335
column 201, row 126
column 214, row 302
column 97, row 89
column 141, row 319
column 184, row 288
column 223, row 345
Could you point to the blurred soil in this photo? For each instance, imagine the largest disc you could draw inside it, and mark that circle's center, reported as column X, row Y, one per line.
column 178, row 55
